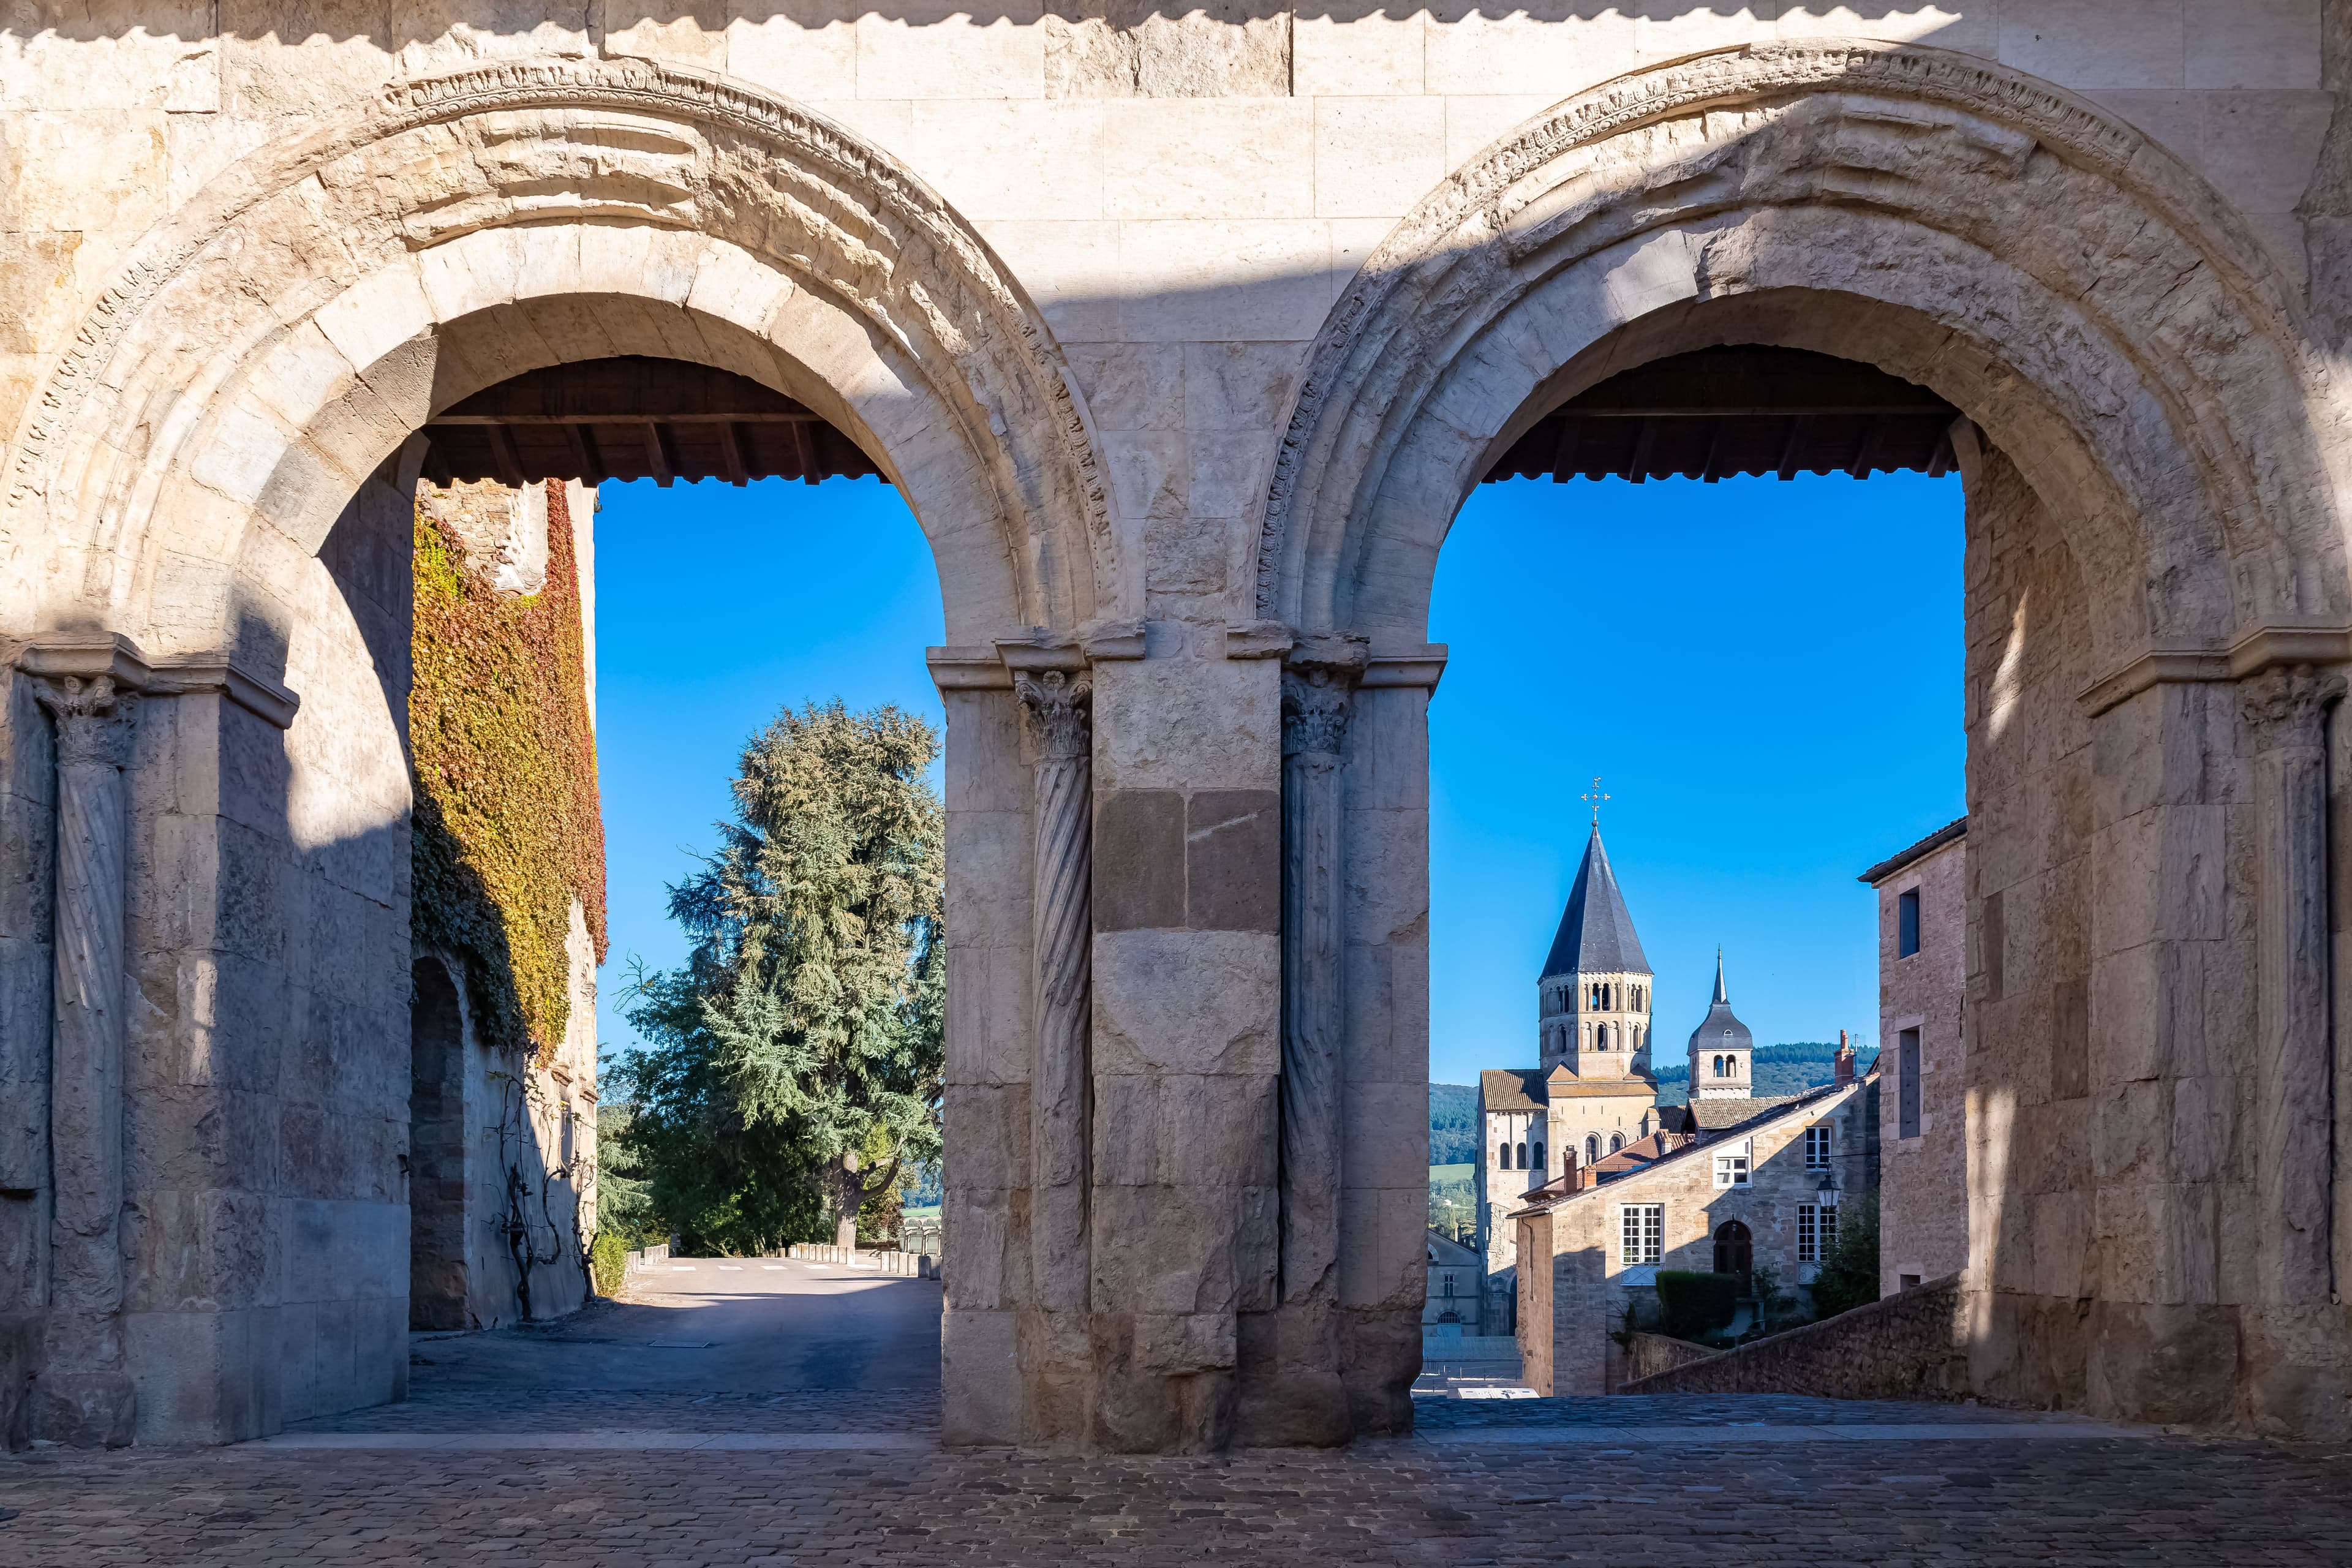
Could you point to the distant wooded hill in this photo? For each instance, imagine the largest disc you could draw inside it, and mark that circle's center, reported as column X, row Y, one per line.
column 1788, row 1068
column 1453, row 1124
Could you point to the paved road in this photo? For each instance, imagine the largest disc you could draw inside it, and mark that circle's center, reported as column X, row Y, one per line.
column 737, row 1325
column 807, row 1433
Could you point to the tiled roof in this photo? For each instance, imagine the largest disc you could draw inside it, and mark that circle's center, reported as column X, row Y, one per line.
column 1531, row 1089
column 1596, row 931
column 1714, row 1115
column 1640, row 1152
column 1921, row 850
column 1511, row 1088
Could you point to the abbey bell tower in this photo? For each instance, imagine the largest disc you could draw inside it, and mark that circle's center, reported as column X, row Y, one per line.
column 1593, row 999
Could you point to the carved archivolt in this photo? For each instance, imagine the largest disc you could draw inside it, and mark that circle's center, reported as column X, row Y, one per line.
column 2093, row 303
column 191, row 362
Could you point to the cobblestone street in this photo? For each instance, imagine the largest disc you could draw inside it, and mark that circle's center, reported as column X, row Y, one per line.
column 1742, row 1494
column 577, row 1442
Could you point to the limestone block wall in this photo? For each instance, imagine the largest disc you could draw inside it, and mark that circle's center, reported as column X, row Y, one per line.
column 1911, row 1346
column 1923, row 1186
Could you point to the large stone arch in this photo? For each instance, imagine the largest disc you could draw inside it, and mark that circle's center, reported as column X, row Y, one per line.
column 209, row 501
column 277, row 338
column 2095, row 307
column 2154, row 463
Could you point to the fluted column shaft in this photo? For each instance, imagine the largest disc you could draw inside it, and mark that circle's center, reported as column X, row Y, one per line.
column 1315, row 706
column 1062, row 910
column 88, row 1028
column 2287, row 709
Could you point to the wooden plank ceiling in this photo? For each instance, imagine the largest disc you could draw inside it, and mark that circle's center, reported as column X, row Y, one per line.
column 1738, row 410
column 636, row 418
column 1703, row 416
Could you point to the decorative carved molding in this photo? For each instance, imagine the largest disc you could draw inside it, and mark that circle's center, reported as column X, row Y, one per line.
column 1057, row 705
column 842, row 216
column 1919, row 129
column 1315, row 704
column 1316, row 694
column 87, row 1037
column 1062, row 914
column 2286, row 704
column 2264, row 648
column 2286, row 707
column 92, row 716
column 116, row 659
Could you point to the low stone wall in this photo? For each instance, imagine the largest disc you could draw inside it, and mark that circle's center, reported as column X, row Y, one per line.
column 1906, row 1346
column 910, row 1265
column 1646, row 1355
column 657, row 1253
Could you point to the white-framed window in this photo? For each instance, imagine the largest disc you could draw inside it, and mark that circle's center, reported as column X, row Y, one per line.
column 1731, row 1170
column 1817, row 1147
column 1817, row 1225
column 1643, row 1230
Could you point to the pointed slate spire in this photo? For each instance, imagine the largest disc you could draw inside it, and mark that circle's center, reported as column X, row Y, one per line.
column 1596, row 931
column 1721, row 1029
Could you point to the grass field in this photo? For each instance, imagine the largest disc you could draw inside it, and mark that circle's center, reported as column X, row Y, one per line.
column 1452, row 1204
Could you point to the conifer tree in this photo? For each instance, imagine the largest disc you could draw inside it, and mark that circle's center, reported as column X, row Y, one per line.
column 809, row 1019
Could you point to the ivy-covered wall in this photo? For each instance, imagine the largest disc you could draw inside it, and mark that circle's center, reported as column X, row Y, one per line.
column 508, row 831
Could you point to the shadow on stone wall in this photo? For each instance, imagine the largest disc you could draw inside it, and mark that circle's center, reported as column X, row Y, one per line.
column 1181, row 22
column 1909, row 1346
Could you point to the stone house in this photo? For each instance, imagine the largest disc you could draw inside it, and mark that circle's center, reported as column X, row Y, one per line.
column 1923, row 975
column 1762, row 1192
column 1455, row 1292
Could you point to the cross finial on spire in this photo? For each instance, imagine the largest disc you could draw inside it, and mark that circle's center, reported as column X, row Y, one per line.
column 1593, row 797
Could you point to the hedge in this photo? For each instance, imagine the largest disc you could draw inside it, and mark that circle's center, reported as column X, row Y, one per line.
column 1693, row 1305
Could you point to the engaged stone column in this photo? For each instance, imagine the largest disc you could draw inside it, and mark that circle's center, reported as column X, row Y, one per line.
column 2287, row 709
column 1314, row 703
column 1062, row 911
column 84, row 1395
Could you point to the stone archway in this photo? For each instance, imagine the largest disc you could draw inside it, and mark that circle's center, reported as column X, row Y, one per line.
column 2158, row 595
column 268, row 351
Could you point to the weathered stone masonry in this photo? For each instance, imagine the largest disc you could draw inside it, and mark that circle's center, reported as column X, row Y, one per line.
column 1184, row 339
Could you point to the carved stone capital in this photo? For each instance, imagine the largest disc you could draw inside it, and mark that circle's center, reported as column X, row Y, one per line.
column 1315, row 706
column 92, row 714
column 1057, row 706
column 2284, row 703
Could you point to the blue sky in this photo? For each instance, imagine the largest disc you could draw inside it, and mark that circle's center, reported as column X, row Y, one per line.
column 1766, row 675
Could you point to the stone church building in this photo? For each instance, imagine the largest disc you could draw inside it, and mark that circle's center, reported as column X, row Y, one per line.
column 1185, row 338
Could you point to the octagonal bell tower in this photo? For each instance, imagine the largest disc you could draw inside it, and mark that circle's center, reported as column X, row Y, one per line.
column 1593, row 997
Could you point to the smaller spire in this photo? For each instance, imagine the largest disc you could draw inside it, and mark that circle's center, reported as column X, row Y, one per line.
column 1721, row 996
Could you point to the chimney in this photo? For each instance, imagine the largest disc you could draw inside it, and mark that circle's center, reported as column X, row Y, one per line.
column 1844, row 1068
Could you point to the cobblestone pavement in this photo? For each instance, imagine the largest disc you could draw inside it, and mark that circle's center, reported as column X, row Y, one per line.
column 2090, row 1500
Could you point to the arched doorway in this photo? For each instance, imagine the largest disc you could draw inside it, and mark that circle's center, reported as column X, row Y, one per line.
column 2111, row 472
column 1733, row 1250
column 403, row 284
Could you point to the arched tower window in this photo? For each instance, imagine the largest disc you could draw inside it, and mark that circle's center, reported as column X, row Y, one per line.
column 1539, row 1164
column 1593, row 1150
column 1616, row 1141
column 1523, row 1156
column 1503, row 1157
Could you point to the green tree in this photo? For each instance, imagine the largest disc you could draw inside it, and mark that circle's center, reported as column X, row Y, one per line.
column 1849, row 1275
column 806, row 1028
